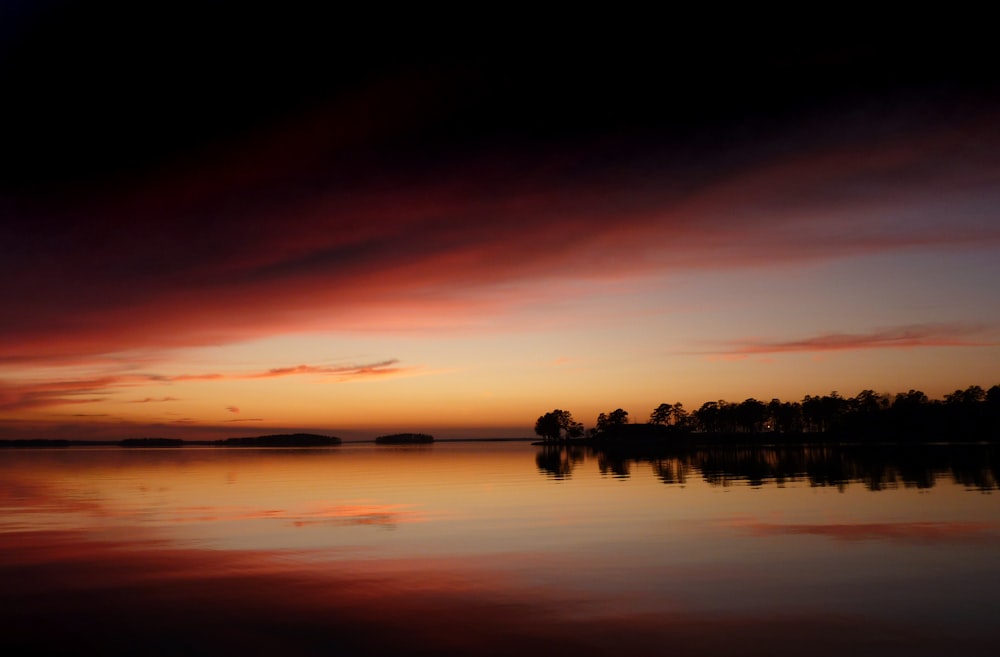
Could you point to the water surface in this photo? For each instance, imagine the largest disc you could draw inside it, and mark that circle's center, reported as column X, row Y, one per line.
column 499, row 548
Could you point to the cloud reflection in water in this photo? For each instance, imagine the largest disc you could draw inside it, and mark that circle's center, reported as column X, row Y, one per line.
column 66, row 594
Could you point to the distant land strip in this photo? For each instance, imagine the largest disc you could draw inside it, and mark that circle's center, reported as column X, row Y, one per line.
column 277, row 440
column 405, row 439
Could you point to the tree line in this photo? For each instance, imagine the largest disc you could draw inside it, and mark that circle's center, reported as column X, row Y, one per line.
column 972, row 413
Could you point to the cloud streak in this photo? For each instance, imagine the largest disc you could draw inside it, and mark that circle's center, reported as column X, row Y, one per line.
column 372, row 369
column 14, row 397
column 221, row 256
column 33, row 395
column 904, row 337
column 339, row 372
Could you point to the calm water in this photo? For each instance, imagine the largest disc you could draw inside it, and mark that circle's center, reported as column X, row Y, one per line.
column 498, row 548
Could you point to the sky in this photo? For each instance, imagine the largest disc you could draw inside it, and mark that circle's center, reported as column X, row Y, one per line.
column 230, row 221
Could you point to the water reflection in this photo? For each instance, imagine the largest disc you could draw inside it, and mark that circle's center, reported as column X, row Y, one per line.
column 912, row 533
column 486, row 549
column 558, row 462
column 876, row 467
column 129, row 598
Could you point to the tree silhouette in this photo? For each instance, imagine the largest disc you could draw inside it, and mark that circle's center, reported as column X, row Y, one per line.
column 969, row 396
column 868, row 402
column 615, row 418
column 661, row 414
column 708, row 416
column 751, row 415
column 669, row 414
column 558, row 425
column 972, row 413
column 786, row 417
column 679, row 416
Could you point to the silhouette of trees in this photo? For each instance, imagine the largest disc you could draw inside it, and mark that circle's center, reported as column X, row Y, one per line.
column 669, row 415
column 717, row 417
column 606, row 421
column 821, row 414
column 751, row 416
column 785, row 417
column 679, row 416
column 868, row 402
column 661, row 414
column 967, row 397
column 969, row 414
column 708, row 417
column 558, row 425
column 909, row 400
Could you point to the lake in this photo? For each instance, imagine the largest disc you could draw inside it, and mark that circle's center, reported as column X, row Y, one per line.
column 499, row 548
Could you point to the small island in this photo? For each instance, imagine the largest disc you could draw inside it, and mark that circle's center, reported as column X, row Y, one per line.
column 283, row 440
column 405, row 439
column 151, row 442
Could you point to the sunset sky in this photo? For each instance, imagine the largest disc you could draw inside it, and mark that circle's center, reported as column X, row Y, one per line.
column 219, row 223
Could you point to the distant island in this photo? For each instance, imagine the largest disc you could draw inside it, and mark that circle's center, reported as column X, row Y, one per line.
column 151, row 442
column 283, row 440
column 405, row 439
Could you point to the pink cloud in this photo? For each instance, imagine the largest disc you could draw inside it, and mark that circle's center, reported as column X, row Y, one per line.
column 372, row 369
column 915, row 336
column 229, row 249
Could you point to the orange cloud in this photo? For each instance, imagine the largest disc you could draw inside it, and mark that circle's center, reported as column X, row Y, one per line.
column 342, row 372
column 53, row 393
column 19, row 396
